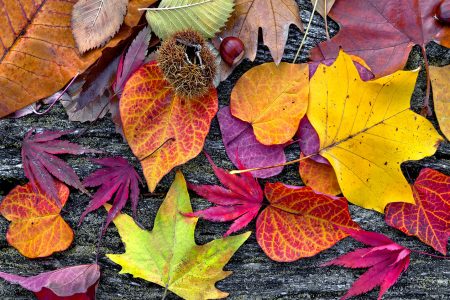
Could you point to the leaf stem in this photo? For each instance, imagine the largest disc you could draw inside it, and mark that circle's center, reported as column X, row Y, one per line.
column 426, row 102
column 325, row 18
column 59, row 97
column 274, row 166
column 306, row 32
column 429, row 254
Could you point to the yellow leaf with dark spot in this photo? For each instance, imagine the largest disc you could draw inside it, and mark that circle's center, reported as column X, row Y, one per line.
column 366, row 130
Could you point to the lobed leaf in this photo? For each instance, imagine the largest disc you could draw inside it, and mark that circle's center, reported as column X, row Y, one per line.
column 37, row 229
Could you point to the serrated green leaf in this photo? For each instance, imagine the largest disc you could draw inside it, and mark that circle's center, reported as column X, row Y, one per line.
column 205, row 16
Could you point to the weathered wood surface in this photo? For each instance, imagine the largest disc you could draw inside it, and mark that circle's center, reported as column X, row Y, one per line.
column 255, row 276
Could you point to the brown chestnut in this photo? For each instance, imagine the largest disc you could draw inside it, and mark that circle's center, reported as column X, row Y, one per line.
column 232, row 50
column 443, row 12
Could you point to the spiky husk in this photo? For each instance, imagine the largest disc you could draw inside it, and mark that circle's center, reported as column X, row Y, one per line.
column 189, row 77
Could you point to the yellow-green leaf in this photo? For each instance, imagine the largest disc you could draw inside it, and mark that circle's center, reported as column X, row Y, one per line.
column 367, row 130
column 169, row 256
column 205, row 16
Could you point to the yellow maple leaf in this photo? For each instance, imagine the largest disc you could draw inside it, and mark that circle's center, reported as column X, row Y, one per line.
column 169, row 256
column 367, row 130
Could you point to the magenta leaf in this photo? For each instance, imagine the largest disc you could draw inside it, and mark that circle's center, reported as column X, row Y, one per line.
column 239, row 199
column 309, row 142
column 134, row 59
column 117, row 178
column 241, row 145
column 76, row 282
column 41, row 165
column 385, row 259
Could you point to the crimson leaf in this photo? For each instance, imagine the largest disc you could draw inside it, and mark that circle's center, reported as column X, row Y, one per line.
column 240, row 199
column 116, row 177
column 385, row 259
column 41, row 165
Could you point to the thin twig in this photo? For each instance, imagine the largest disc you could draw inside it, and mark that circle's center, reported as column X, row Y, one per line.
column 306, row 32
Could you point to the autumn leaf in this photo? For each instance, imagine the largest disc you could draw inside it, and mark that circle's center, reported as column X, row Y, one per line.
column 383, row 32
column 239, row 199
column 163, row 129
column 70, row 283
column 323, row 6
column 117, row 177
column 440, row 77
column 96, row 22
column 429, row 218
column 385, row 259
column 300, row 222
column 39, row 56
column 169, row 256
column 204, row 16
column 132, row 60
column 40, row 163
column 366, row 130
column 273, row 99
column 319, row 176
column 274, row 18
column 37, row 229
column 241, row 146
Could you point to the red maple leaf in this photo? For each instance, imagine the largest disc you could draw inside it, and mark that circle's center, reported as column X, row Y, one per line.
column 41, row 165
column 240, row 199
column 429, row 219
column 385, row 259
column 117, row 177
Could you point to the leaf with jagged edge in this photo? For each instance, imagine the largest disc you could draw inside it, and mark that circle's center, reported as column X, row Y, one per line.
column 205, row 16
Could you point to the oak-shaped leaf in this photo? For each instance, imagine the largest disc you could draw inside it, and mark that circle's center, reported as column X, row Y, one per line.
column 163, row 129
column 383, row 32
column 239, row 199
column 116, row 179
column 429, row 218
column 169, row 256
column 385, row 259
column 132, row 60
column 367, row 129
column 300, row 222
column 71, row 283
column 40, row 163
column 273, row 99
column 37, row 229
column 242, row 146
column 274, row 17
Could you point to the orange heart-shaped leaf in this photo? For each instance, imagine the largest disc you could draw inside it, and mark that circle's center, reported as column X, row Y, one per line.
column 300, row 222
column 37, row 229
column 163, row 129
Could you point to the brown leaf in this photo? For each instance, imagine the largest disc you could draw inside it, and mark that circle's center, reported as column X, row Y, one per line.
column 323, row 6
column 94, row 22
column 37, row 51
column 272, row 16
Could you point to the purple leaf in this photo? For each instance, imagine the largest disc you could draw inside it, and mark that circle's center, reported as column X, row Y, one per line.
column 40, row 163
column 240, row 199
column 309, row 142
column 80, row 281
column 98, row 87
column 241, row 145
column 117, row 177
column 134, row 59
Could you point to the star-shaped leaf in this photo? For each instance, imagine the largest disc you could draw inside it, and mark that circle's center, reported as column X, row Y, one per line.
column 169, row 256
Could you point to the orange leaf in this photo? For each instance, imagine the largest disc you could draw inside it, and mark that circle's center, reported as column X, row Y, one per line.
column 273, row 99
column 163, row 129
column 37, row 229
column 300, row 222
column 318, row 176
column 440, row 77
column 37, row 51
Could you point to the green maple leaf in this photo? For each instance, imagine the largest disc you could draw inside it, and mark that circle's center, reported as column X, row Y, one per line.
column 169, row 256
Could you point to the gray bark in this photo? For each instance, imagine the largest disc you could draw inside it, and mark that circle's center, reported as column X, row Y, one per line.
column 255, row 276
